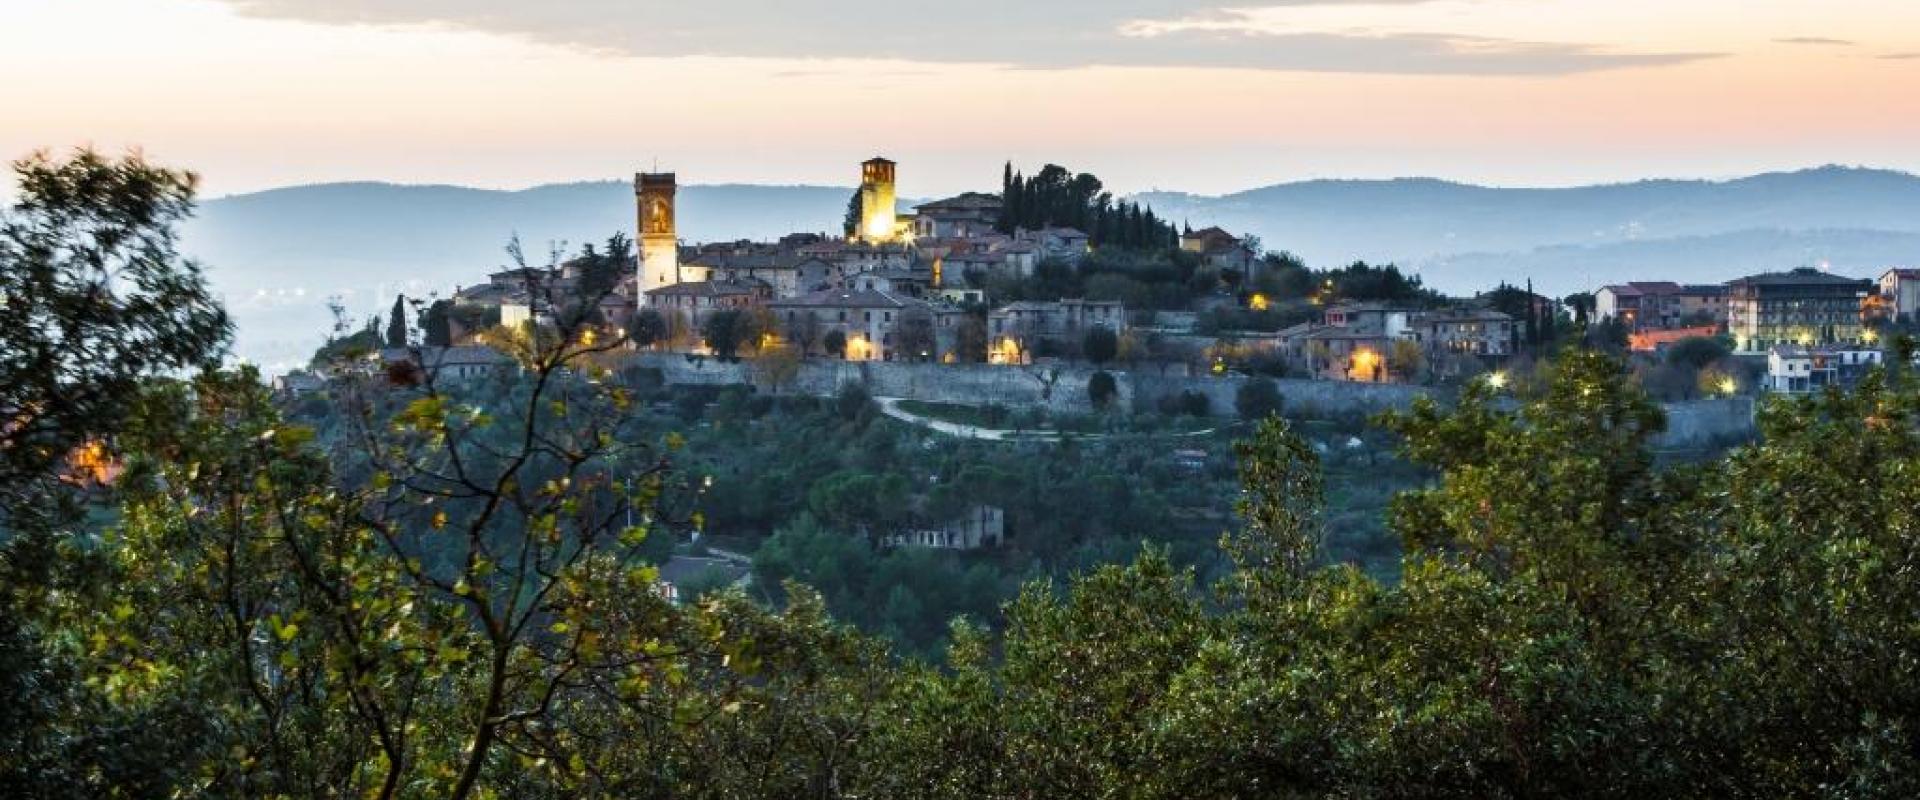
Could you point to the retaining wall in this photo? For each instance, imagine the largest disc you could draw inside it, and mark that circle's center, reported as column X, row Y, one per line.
column 1700, row 423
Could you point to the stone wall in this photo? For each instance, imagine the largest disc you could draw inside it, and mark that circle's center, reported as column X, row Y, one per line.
column 1702, row 423
column 1301, row 398
column 1707, row 423
column 1057, row 388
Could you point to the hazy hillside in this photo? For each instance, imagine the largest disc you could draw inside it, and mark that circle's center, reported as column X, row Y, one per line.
column 1424, row 221
column 279, row 254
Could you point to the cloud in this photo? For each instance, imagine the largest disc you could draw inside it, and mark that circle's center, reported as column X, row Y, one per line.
column 1045, row 34
column 1900, row 57
column 1817, row 41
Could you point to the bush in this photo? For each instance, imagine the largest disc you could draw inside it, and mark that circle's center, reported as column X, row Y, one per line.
column 1101, row 389
column 1101, row 345
column 851, row 400
column 1697, row 352
column 1189, row 402
column 1257, row 399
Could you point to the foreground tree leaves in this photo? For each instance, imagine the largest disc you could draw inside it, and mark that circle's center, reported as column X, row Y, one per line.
column 439, row 596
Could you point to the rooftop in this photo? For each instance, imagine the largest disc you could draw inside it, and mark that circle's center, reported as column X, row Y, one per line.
column 704, row 289
column 843, row 298
column 1804, row 276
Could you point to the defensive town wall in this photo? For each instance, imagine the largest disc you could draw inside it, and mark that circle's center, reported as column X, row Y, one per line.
column 1063, row 389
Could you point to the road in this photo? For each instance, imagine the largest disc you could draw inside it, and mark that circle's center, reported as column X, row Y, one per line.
column 890, row 406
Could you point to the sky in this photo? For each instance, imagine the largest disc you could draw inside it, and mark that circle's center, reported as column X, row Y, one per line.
column 1190, row 95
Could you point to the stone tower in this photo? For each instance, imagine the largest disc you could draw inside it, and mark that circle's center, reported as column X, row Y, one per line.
column 877, row 222
column 659, row 245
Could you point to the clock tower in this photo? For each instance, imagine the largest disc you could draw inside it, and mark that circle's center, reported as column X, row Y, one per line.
column 659, row 245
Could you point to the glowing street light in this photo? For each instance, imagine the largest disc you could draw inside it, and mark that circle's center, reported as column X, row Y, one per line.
column 1497, row 380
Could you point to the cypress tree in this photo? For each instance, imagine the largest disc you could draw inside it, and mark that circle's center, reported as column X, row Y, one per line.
column 397, row 323
column 1533, row 322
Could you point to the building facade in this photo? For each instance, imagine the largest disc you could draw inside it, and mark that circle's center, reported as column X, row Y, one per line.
column 1793, row 369
column 1900, row 288
column 873, row 325
column 1803, row 307
column 964, row 217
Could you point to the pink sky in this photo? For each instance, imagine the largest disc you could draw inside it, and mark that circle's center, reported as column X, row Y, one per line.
column 263, row 93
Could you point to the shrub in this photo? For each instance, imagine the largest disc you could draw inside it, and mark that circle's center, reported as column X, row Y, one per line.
column 1257, row 399
column 1101, row 388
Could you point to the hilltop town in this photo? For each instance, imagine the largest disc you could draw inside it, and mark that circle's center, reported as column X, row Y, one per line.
column 1052, row 270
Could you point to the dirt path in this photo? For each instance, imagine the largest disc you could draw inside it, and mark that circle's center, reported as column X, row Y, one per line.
column 890, row 406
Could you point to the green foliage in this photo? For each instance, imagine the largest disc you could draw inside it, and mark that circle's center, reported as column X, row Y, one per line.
column 423, row 594
column 647, row 328
column 94, row 304
column 93, row 299
column 1257, row 399
column 1698, row 352
column 1057, row 197
column 725, row 332
column 1101, row 389
column 436, row 328
column 1100, row 345
column 1188, row 402
column 856, row 210
column 397, row 323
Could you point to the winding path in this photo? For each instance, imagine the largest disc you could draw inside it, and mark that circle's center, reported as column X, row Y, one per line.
column 890, row 406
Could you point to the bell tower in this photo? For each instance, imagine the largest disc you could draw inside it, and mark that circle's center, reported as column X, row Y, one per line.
column 877, row 220
column 659, row 245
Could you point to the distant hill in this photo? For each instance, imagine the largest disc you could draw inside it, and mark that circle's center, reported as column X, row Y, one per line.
column 1570, row 238
column 278, row 254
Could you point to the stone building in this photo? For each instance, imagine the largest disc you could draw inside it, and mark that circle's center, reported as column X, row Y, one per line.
column 875, row 325
column 1472, row 332
column 456, row 364
column 1661, row 305
column 982, row 526
column 1027, row 323
column 687, row 305
column 1221, row 250
column 964, row 217
column 879, row 216
column 659, row 244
